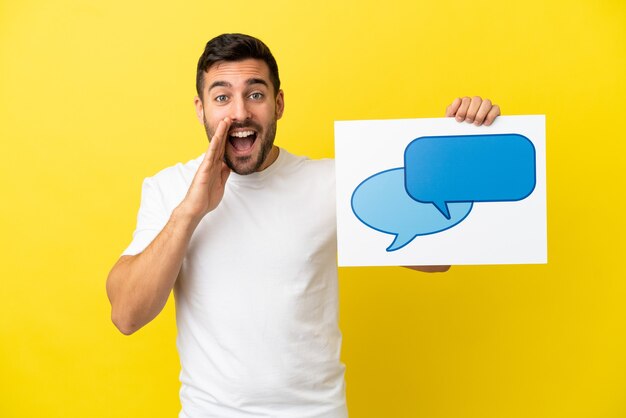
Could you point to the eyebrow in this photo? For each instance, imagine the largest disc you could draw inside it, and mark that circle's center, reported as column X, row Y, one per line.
column 249, row 82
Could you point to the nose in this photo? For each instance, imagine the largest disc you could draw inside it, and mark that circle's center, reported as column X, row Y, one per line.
column 239, row 110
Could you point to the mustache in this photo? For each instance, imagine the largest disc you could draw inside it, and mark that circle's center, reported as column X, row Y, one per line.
column 248, row 124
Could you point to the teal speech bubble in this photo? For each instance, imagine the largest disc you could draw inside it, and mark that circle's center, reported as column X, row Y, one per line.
column 381, row 202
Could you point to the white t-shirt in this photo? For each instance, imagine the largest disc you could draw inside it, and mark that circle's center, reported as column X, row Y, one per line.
column 256, row 299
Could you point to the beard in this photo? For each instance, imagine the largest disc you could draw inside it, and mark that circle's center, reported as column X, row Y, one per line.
column 249, row 164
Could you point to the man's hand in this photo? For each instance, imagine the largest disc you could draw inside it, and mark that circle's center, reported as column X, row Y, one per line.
column 207, row 188
column 138, row 286
column 474, row 110
column 429, row 269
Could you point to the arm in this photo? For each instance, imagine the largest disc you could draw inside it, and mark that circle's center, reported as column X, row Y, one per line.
column 138, row 286
column 476, row 111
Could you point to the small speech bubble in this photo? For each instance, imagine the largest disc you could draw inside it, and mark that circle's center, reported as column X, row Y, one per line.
column 381, row 202
column 442, row 170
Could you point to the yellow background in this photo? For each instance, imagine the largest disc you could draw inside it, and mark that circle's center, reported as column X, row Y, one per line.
column 97, row 95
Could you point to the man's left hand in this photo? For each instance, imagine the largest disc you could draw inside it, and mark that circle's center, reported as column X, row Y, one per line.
column 429, row 269
column 473, row 110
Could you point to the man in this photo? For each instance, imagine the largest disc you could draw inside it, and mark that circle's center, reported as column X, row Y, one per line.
column 245, row 236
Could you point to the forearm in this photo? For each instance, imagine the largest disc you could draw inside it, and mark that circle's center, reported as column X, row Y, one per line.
column 138, row 286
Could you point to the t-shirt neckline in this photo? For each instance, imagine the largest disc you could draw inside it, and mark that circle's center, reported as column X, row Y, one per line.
column 260, row 175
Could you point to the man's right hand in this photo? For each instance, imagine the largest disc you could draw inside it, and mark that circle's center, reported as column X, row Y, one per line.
column 138, row 286
column 207, row 188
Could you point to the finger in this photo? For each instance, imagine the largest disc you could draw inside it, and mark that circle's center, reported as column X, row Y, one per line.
column 451, row 110
column 483, row 110
column 492, row 115
column 462, row 111
column 473, row 109
column 217, row 145
column 429, row 269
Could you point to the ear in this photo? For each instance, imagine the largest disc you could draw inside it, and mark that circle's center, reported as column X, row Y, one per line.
column 199, row 109
column 280, row 104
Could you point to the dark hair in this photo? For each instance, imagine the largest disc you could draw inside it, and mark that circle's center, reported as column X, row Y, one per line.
column 235, row 47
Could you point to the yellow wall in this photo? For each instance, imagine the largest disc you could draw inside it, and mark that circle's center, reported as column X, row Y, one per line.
column 97, row 95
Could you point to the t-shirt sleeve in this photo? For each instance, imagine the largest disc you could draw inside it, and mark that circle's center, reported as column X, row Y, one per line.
column 151, row 218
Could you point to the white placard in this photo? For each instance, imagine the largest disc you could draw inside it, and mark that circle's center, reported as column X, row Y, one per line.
column 380, row 202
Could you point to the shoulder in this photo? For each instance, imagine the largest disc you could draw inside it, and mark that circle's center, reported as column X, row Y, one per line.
column 309, row 177
column 177, row 175
column 168, row 187
column 324, row 167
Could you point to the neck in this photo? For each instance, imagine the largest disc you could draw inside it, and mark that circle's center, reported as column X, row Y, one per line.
column 271, row 157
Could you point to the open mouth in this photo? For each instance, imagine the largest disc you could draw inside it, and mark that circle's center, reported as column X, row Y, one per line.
column 242, row 141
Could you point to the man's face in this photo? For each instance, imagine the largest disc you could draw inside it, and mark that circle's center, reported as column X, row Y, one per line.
column 243, row 92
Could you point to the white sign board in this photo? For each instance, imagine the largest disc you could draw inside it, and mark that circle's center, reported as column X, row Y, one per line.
column 435, row 192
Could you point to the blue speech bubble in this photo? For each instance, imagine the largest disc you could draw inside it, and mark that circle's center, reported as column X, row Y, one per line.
column 469, row 168
column 381, row 202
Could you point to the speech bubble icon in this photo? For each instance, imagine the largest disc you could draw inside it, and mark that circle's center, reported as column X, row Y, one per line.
column 469, row 168
column 381, row 202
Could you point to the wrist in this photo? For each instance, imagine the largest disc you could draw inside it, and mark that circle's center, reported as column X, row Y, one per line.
column 185, row 217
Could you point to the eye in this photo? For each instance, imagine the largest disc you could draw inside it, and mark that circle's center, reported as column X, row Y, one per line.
column 256, row 96
column 221, row 98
